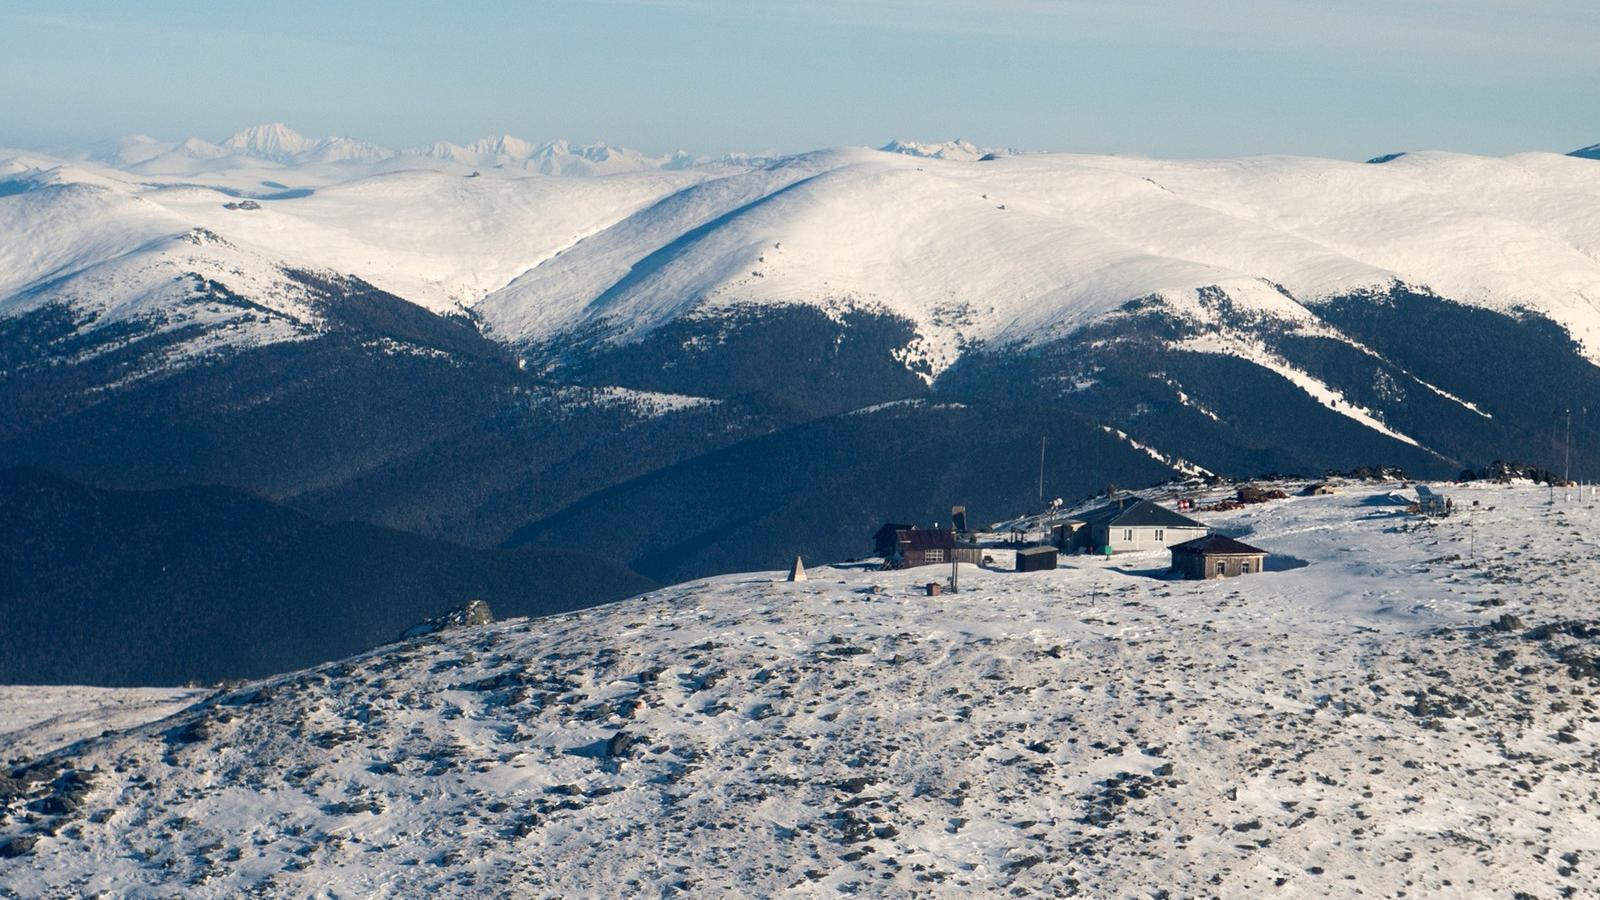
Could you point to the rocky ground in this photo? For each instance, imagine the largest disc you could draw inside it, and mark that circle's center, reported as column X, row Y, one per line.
column 1409, row 714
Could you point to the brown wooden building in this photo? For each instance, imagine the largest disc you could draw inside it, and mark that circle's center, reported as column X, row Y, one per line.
column 1215, row 556
column 906, row 546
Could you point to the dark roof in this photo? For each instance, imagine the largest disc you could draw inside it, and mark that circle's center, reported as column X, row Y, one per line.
column 1037, row 551
column 1138, row 513
column 1217, row 545
column 927, row 539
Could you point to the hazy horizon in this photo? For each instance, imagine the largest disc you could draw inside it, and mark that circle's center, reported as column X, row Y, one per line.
column 1175, row 79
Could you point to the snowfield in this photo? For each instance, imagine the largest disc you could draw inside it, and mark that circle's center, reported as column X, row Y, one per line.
column 35, row 719
column 1409, row 712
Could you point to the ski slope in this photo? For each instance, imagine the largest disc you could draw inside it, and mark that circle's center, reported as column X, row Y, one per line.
column 1365, row 724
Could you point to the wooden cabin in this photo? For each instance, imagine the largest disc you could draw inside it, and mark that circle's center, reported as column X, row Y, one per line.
column 906, row 547
column 1215, row 556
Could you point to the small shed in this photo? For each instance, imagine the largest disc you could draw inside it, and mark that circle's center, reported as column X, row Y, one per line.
column 1433, row 505
column 1322, row 489
column 1215, row 556
column 1063, row 532
column 1036, row 559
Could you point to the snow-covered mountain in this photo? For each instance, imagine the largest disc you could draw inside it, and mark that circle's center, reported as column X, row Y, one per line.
column 964, row 151
column 276, row 142
column 1020, row 249
column 1150, row 318
column 553, row 158
column 1010, row 252
column 1381, row 719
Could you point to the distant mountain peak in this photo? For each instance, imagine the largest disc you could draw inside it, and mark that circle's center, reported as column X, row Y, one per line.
column 275, row 141
column 504, row 145
column 200, row 149
column 944, row 151
column 957, row 150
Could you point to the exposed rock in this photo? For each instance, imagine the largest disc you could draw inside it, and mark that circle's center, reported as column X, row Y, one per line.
column 475, row 614
column 1508, row 622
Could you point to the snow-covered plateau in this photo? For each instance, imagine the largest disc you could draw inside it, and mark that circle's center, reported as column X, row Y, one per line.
column 1400, row 707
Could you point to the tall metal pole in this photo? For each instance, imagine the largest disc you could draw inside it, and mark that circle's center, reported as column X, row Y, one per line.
column 1566, row 457
column 1041, row 468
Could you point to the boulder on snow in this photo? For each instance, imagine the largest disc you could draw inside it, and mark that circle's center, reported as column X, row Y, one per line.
column 1508, row 622
column 474, row 614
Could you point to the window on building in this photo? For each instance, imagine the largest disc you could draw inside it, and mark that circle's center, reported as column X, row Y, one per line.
column 1244, row 568
column 1160, row 535
column 935, row 556
column 1222, row 568
column 1127, row 534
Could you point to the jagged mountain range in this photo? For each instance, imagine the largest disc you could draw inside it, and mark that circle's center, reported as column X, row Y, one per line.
column 277, row 145
column 742, row 362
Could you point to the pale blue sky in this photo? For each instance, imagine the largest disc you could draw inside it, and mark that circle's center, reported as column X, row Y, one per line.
column 1178, row 78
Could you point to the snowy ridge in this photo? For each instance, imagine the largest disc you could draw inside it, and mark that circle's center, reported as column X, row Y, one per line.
column 1017, row 251
column 1369, row 723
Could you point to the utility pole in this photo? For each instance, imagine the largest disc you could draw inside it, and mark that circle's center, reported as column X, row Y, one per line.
column 1566, row 451
column 1041, row 468
column 955, row 574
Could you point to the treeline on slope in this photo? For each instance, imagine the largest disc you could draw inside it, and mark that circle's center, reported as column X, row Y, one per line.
column 1127, row 371
column 187, row 584
column 1234, row 417
column 1504, row 471
column 1523, row 370
column 793, row 363
column 820, row 489
column 457, row 444
column 446, row 436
